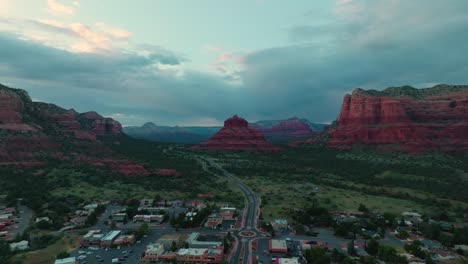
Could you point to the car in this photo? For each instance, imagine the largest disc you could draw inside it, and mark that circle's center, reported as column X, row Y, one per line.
column 101, row 260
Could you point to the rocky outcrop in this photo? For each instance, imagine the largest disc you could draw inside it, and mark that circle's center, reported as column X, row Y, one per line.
column 34, row 133
column 292, row 128
column 236, row 135
column 405, row 119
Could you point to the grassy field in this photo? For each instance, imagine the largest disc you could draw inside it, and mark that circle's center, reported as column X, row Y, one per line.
column 280, row 197
column 47, row 255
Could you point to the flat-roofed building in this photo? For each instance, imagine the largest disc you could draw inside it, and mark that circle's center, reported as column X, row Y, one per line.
column 194, row 242
column 167, row 239
column 200, row 255
column 278, row 246
column 109, row 238
column 71, row 260
column 286, row 261
column 148, row 218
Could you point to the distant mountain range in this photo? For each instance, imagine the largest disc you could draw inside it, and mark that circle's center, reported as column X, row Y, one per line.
column 292, row 128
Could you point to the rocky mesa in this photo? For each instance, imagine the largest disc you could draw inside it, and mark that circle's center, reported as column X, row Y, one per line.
column 405, row 119
column 292, row 128
column 237, row 136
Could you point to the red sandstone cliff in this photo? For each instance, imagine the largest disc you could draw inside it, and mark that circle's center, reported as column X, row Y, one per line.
column 405, row 119
column 236, row 135
column 33, row 133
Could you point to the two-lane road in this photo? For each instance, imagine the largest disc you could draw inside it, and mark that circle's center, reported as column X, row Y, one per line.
column 243, row 251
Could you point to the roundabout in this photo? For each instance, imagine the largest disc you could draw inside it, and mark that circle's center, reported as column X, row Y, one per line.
column 247, row 234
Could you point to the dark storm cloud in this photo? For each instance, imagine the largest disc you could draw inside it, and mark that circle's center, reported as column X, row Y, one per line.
column 371, row 44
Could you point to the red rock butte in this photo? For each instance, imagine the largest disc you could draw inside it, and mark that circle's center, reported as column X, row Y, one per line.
column 237, row 136
column 405, row 119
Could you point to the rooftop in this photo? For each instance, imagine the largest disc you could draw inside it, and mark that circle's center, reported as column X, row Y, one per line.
column 111, row 235
column 65, row 260
column 279, row 244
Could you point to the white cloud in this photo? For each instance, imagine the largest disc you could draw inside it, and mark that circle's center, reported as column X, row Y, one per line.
column 56, row 8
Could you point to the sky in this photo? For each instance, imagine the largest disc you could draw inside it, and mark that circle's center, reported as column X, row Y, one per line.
column 187, row 62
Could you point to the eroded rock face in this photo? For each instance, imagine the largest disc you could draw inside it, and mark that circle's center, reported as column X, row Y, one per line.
column 11, row 107
column 236, row 135
column 33, row 133
column 405, row 118
column 288, row 129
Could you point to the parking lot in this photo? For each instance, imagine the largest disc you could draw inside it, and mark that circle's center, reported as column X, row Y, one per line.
column 126, row 254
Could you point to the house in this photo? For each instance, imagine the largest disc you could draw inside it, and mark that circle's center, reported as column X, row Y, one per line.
column 109, row 239
column 413, row 217
column 91, row 207
column 278, row 246
column 22, row 245
column 146, row 203
column 71, row 260
column 45, row 219
column 79, row 220
column 280, row 224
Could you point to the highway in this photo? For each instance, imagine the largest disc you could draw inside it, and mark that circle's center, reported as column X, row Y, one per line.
column 243, row 251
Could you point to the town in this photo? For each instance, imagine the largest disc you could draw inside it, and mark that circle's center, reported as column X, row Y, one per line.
column 198, row 231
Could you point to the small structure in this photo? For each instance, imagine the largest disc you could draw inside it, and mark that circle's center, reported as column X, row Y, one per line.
column 22, row 245
column 71, row 260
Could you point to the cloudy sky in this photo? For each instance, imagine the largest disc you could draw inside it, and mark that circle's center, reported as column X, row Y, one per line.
column 198, row 62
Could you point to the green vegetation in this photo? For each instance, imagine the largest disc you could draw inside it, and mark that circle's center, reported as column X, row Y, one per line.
column 431, row 184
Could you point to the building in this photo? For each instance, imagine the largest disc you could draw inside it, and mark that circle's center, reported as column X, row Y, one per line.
column 91, row 207
column 146, row 203
column 153, row 251
column 109, row 239
column 148, row 218
column 278, row 246
column 194, row 242
column 119, row 217
column 199, row 255
column 412, row 217
column 71, row 260
column 79, row 220
column 214, row 221
column 280, row 224
column 22, row 245
column 167, row 239
column 309, row 244
column 124, row 240
column 45, row 219
column 227, row 208
column 286, row 261
column 93, row 237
